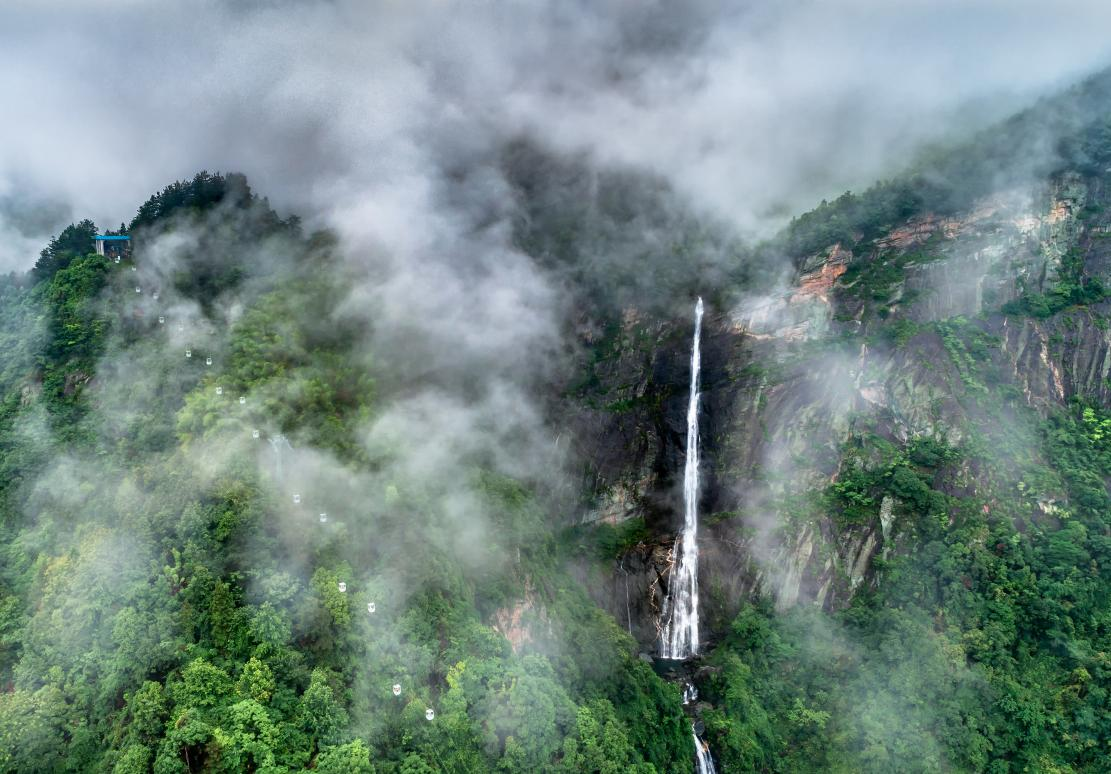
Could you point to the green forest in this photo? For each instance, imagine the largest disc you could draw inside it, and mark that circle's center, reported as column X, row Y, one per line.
column 159, row 617
column 229, row 544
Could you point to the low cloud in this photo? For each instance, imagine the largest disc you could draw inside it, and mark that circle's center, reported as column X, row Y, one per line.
column 355, row 113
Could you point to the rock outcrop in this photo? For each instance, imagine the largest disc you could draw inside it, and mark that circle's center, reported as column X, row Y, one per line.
column 788, row 379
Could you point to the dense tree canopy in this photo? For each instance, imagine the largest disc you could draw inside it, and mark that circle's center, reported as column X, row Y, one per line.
column 205, row 565
column 159, row 616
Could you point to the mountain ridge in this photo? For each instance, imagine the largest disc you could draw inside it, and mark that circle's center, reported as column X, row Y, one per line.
column 905, row 499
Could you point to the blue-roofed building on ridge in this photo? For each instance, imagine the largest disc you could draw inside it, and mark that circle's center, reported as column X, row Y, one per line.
column 113, row 245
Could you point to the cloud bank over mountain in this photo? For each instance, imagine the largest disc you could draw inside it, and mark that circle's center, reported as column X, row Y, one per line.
column 751, row 109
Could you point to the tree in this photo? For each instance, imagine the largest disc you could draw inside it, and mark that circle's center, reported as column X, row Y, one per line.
column 245, row 740
column 75, row 241
column 350, row 758
column 320, row 714
column 135, row 759
column 256, row 682
column 148, row 709
column 203, row 685
column 34, row 728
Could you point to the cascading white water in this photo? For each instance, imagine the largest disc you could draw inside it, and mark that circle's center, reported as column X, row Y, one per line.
column 702, row 755
column 679, row 633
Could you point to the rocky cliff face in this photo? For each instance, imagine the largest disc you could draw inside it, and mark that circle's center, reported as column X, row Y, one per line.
column 1061, row 358
column 862, row 342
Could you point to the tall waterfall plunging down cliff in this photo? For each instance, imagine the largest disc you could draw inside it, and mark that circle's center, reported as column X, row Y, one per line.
column 702, row 755
column 679, row 633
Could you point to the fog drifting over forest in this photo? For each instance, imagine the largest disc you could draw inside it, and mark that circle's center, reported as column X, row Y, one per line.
column 351, row 112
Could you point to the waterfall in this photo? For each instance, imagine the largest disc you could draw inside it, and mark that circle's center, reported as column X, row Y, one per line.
column 679, row 634
column 702, row 755
column 628, row 609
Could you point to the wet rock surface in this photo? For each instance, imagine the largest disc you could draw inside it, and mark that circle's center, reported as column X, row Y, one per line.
column 786, row 383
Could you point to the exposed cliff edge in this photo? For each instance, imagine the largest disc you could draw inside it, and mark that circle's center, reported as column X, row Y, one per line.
column 871, row 338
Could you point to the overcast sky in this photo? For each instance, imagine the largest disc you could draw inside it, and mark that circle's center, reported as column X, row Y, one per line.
column 350, row 111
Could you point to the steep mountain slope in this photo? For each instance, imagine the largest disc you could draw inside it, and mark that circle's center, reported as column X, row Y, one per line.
column 911, row 437
column 208, row 566
column 232, row 540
